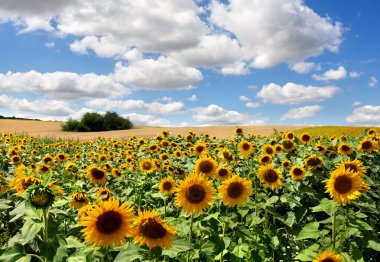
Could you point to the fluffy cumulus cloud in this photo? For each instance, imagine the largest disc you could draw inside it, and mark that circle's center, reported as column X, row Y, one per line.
column 63, row 85
column 303, row 67
column 161, row 73
column 217, row 115
column 252, row 105
column 292, row 93
column 301, row 112
column 166, row 109
column 372, row 81
column 124, row 105
column 147, row 120
column 292, row 33
column 332, row 74
column 192, row 98
column 365, row 115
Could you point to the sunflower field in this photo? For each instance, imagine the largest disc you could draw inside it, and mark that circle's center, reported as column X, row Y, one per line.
column 284, row 197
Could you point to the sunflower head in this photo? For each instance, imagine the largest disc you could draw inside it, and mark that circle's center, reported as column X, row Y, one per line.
column 116, row 173
column 104, row 194
column 305, row 138
column 151, row 230
column 194, row 194
column 79, row 199
column 270, row 176
column 344, row 185
column 313, row 162
column 265, row 160
column 40, row 196
column 96, row 175
column 167, row 185
column 320, row 148
column 235, row 191
column 245, row 148
column 227, row 155
column 268, row 150
column 199, row 148
column 286, row 164
column 15, row 159
column 146, row 166
column 239, row 131
column 61, row 157
column 355, row 165
column 289, row 135
column 367, row 145
column 297, row 172
column 328, row 256
column 345, row 149
column 223, row 172
column 288, row 145
column 206, row 166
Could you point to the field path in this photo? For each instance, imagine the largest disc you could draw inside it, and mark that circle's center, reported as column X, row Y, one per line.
column 53, row 130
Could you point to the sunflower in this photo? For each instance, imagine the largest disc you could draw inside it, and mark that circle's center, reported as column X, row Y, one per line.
column 305, row 138
column 116, row 172
column 288, row 145
column 345, row 149
column 42, row 168
column 206, row 166
column 151, row 230
column 146, row 166
column 313, row 162
column 265, row 160
column 371, row 132
column 367, row 145
column 165, row 143
column 278, row 148
column 245, row 148
column 194, row 194
column 79, row 200
column 344, row 185
column 239, row 131
column 167, row 185
column 40, row 196
column 61, row 157
column 297, row 172
column 289, row 135
column 355, row 165
column 200, row 148
column 268, row 150
column 108, row 223
column 328, row 256
column 320, row 148
column 223, row 172
column 164, row 156
column 47, row 160
column 96, row 175
column 104, row 194
column 177, row 153
column 286, row 164
column 22, row 183
column 270, row 176
column 235, row 191
column 227, row 155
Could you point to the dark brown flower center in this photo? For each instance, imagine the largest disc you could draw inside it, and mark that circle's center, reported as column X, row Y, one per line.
column 297, row 171
column 269, row 150
column 147, row 165
column 246, row 146
column 270, row 176
column 235, row 189
column 47, row 160
column 61, row 157
column 265, row 159
column 97, row 174
column 167, row 185
column 28, row 182
column 346, row 148
column 199, row 149
column 351, row 166
column 343, row 184
column 195, row 194
column 16, row 159
column 223, row 172
column 314, row 161
column 80, row 198
column 109, row 222
column 306, row 138
column 367, row 145
column 290, row 136
column 152, row 229
column 285, row 164
column 206, row 166
column 288, row 144
column 117, row 173
column 328, row 260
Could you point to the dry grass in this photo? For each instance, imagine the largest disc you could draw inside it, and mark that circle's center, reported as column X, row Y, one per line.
column 53, row 130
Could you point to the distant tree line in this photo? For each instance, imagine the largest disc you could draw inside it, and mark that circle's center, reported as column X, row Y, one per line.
column 18, row 118
column 98, row 122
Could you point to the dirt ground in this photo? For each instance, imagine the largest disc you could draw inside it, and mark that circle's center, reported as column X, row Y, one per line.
column 53, row 130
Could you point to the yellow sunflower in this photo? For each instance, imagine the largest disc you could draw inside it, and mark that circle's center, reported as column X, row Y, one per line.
column 104, row 194
column 61, row 157
column 297, row 172
column 268, row 150
column 235, row 191
column 79, row 199
column 270, row 176
column 206, row 166
column 194, row 194
column 367, row 145
column 151, row 230
column 344, row 185
column 285, row 164
column 288, row 145
column 320, row 148
column 15, row 159
column 223, row 172
column 355, row 165
column 146, row 165
column 239, row 131
column 328, row 256
column 200, row 148
column 278, row 148
column 227, row 155
column 345, row 149
column 313, row 162
column 265, row 160
column 167, row 185
column 96, row 175
column 305, row 138
column 289, row 135
column 116, row 172
column 108, row 223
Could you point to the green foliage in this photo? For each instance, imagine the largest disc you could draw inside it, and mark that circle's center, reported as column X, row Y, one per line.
column 93, row 121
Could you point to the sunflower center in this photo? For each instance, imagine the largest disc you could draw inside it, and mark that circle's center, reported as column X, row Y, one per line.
column 265, row 159
column 195, row 194
column 199, row 149
column 269, row 150
column 147, row 165
column 286, row 164
column 343, row 184
column 288, row 144
column 109, row 222
column 223, row 172
column 44, row 169
column 328, row 260
column 367, row 145
column 61, row 157
column 167, row 186
column 117, row 173
column 152, row 229
column 314, row 161
column 297, row 171
column 235, row 189
column 80, row 198
column 97, row 174
column 205, row 167
column 270, row 176
column 351, row 166
column 246, row 146
column 346, row 148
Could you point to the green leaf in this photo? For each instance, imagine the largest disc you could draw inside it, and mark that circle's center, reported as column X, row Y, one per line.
column 26, row 258
column 309, row 231
column 61, row 251
column 309, row 253
column 327, row 206
column 129, row 254
column 13, row 253
column 275, row 242
column 73, row 242
column 179, row 246
column 357, row 223
column 241, row 251
column 30, row 230
column 374, row 245
column 357, row 255
column 4, row 204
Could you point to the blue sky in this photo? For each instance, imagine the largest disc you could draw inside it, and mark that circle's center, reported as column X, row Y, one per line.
column 182, row 62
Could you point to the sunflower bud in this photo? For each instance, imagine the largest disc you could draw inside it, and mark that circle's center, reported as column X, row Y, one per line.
column 40, row 196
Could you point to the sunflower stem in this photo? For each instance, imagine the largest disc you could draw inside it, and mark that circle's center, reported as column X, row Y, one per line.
column 190, row 236
column 274, row 227
column 36, row 256
column 45, row 218
column 165, row 207
column 333, row 230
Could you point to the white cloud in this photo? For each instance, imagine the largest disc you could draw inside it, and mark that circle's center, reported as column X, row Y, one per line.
column 125, row 105
column 147, row 120
column 79, row 113
column 332, row 74
column 102, row 46
column 279, row 31
column 301, row 112
column 64, row 85
column 303, row 67
column 162, row 73
column 244, row 98
column 366, row 115
column 237, row 68
column 354, row 74
column 357, row 103
column 166, row 109
column 292, row 93
column 217, row 115
column 166, row 99
column 50, row 44
column 372, row 81
column 252, row 105
column 192, row 98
